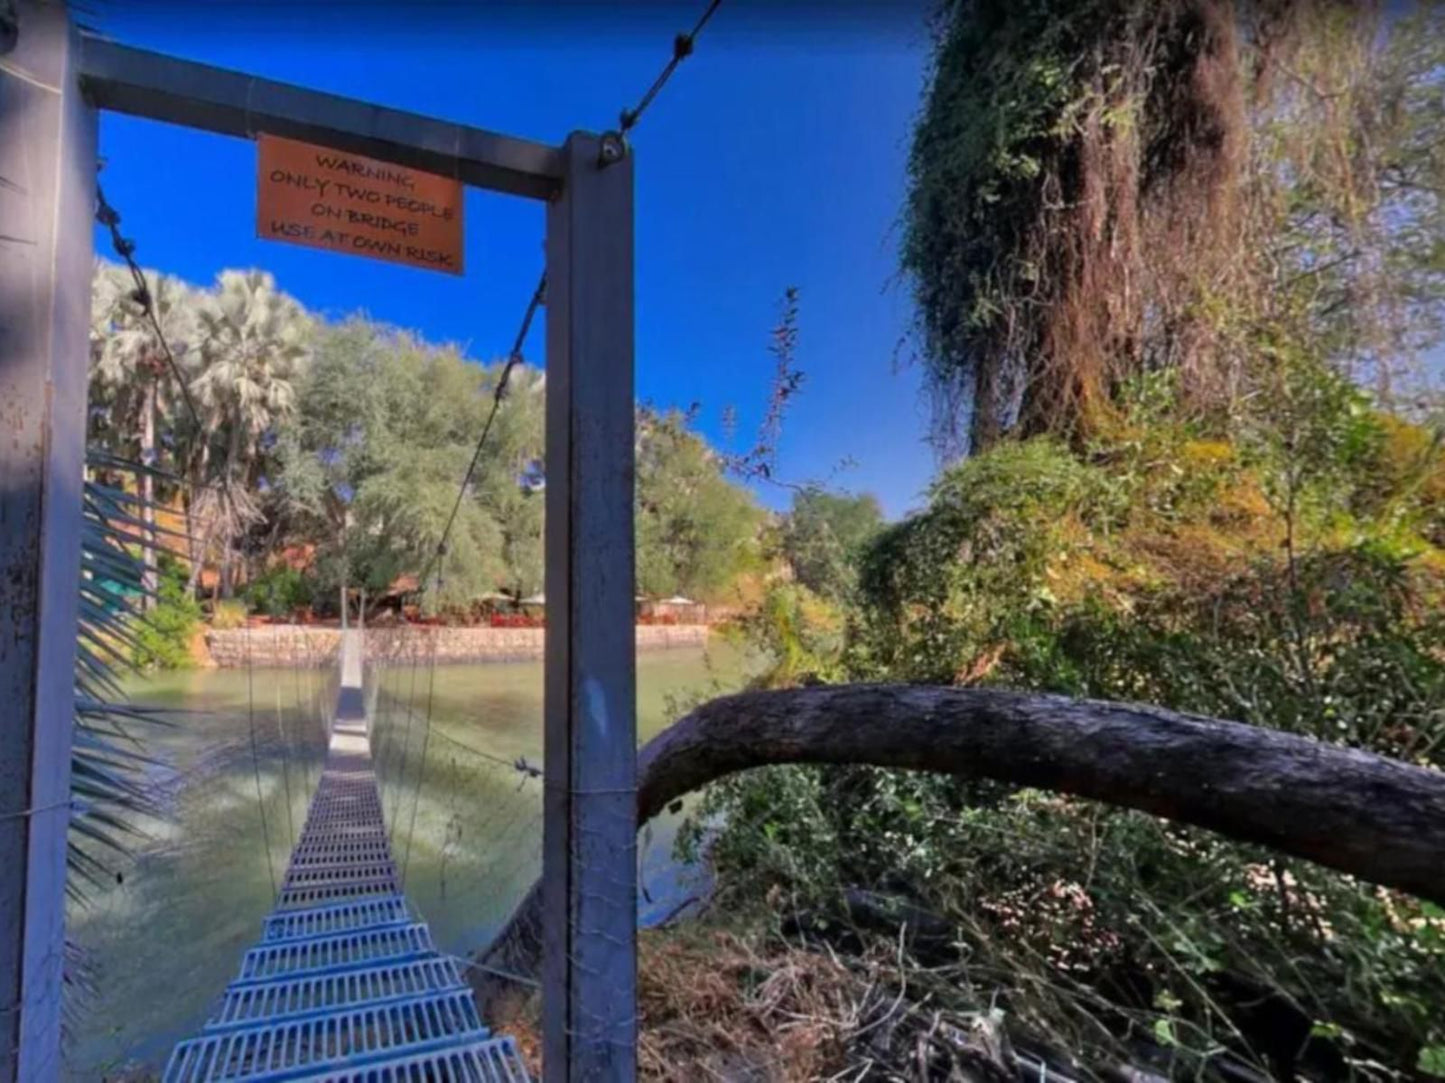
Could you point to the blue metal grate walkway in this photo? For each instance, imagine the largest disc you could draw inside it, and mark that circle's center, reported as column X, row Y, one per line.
column 345, row 986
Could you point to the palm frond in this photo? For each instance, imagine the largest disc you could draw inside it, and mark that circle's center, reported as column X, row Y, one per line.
column 109, row 803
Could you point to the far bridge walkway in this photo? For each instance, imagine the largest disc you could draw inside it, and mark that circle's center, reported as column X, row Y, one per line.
column 344, row 985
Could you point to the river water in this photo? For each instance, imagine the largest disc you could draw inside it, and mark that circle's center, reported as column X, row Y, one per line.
column 454, row 747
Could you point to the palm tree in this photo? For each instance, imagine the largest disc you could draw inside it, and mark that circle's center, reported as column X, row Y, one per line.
column 133, row 389
column 255, row 342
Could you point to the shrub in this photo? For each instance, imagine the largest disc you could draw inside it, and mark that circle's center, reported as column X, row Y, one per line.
column 280, row 591
column 163, row 636
column 1112, row 572
column 229, row 613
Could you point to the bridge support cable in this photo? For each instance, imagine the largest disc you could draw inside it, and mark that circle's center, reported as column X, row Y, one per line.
column 478, row 814
column 345, row 985
column 421, row 767
column 256, row 766
column 285, row 742
column 398, row 786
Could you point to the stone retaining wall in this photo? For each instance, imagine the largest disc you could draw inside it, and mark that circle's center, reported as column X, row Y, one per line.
column 290, row 644
column 273, row 645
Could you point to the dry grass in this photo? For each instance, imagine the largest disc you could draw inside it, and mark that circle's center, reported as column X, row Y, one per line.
column 517, row 1014
column 715, row 1005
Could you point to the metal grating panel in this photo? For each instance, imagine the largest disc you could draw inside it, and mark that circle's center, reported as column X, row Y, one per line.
column 493, row 1061
column 270, row 1001
column 337, row 1038
column 322, row 894
column 292, row 957
column 342, row 829
column 346, row 870
column 325, row 920
column 326, row 849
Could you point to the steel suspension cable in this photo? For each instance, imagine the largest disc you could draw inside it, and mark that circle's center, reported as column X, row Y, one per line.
column 498, row 394
column 682, row 47
column 124, row 247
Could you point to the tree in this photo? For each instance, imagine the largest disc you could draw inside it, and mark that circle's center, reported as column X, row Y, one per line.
column 384, row 429
column 1366, row 815
column 695, row 529
column 824, row 536
column 255, row 344
column 352, row 438
column 331, row 448
column 133, row 392
column 511, row 481
column 1119, row 187
column 438, row 403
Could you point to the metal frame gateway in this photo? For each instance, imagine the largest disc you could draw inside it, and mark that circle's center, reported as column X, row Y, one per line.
column 54, row 81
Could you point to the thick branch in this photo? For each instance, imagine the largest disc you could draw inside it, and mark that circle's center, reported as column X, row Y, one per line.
column 1372, row 817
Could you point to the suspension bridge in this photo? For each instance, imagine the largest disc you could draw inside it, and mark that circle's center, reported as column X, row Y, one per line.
column 344, row 985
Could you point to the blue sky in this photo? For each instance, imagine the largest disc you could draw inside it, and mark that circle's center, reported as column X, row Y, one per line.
column 775, row 157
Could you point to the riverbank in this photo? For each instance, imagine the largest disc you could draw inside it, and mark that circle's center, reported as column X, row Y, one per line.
column 311, row 646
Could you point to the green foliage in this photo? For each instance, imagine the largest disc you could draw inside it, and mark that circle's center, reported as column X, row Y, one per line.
column 1281, row 579
column 696, row 530
column 384, row 430
column 973, row 568
column 777, row 832
column 799, row 633
column 1432, row 1060
column 1001, row 84
column 348, row 440
column 163, row 635
column 825, row 534
column 1159, row 251
column 279, row 591
column 368, row 473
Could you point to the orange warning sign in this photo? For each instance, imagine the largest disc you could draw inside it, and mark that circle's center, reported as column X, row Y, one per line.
column 325, row 198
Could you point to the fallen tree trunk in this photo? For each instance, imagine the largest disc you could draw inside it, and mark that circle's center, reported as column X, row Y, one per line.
column 1372, row 817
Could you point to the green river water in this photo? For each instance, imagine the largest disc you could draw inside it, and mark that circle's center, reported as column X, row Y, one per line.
column 157, row 947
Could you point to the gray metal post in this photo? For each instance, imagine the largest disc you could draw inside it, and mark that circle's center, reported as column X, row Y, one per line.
column 590, row 827
column 47, row 205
